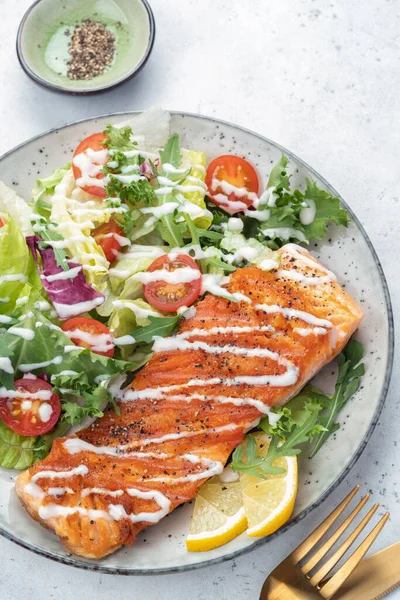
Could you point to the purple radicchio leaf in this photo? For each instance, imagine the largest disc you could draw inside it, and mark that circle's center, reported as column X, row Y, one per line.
column 147, row 170
column 70, row 296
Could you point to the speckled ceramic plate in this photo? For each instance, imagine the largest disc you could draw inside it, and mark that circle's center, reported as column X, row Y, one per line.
column 349, row 253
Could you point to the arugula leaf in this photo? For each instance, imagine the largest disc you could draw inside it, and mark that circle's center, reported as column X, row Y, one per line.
column 308, row 417
column 60, row 255
column 119, row 138
column 246, row 459
column 16, row 451
column 159, row 326
column 171, row 232
column 348, row 382
column 171, row 154
column 278, row 178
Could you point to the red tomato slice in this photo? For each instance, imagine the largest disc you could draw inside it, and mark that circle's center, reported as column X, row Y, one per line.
column 89, row 333
column 106, row 236
column 239, row 183
column 94, row 142
column 29, row 415
column 168, row 297
column 1, row 222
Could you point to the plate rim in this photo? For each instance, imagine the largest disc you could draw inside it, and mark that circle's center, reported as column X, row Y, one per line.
column 128, row 571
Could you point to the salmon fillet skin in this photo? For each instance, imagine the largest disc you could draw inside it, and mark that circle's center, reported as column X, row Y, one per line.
column 191, row 405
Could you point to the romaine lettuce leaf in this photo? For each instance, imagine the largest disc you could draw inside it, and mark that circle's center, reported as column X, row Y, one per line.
column 16, row 264
column 16, row 451
column 16, row 207
column 153, row 125
column 86, row 252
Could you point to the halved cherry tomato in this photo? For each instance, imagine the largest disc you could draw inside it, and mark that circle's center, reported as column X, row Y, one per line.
column 106, row 236
column 241, row 183
column 28, row 415
column 1, row 222
column 168, row 297
column 95, row 143
column 89, row 333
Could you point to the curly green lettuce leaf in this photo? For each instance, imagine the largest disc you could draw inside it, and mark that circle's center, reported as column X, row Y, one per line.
column 119, row 138
column 16, row 451
column 50, row 350
column 46, row 185
column 328, row 210
column 286, row 207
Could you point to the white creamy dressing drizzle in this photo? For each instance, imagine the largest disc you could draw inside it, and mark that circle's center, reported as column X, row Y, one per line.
column 181, row 275
column 140, row 312
column 57, row 360
column 43, row 306
column 213, row 282
column 90, row 163
column 129, row 178
column 21, row 301
column 14, row 277
column 40, row 395
column 5, row 319
column 99, row 342
column 70, row 274
column 304, row 256
column 26, row 334
column 284, row 233
column 124, row 340
column 308, row 212
column 65, row 311
column 45, row 412
column 6, row 365
column 114, row 511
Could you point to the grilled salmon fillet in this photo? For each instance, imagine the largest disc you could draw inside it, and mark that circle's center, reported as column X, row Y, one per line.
column 191, row 405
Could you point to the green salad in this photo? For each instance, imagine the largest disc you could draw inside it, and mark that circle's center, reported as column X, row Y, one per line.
column 81, row 299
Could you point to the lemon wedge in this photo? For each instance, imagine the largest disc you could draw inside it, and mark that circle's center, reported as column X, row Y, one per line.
column 218, row 515
column 268, row 503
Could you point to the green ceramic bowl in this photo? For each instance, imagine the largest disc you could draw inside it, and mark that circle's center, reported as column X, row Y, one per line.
column 42, row 41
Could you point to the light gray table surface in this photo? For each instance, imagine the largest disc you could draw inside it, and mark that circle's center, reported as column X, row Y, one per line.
column 319, row 77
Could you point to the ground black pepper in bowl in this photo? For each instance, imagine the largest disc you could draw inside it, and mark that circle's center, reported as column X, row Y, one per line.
column 92, row 49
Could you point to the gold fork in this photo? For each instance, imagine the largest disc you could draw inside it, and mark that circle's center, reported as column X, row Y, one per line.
column 294, row 579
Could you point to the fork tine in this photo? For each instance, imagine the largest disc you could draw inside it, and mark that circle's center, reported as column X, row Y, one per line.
column 317, row 534
column 332, row 586
column 334, row 559
column 319, row 555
